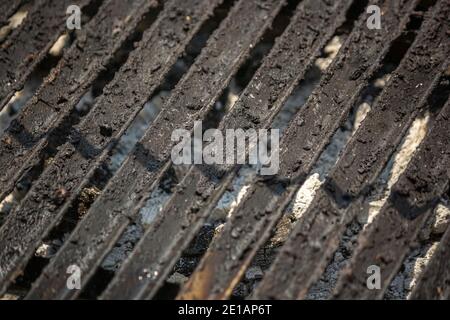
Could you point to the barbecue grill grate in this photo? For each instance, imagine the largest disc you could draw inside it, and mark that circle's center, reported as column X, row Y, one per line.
column 52, row 157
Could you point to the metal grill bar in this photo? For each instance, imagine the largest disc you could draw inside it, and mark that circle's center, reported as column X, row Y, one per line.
column 7, row 9
column 258, row 213
column 181, row 218
column 28, row 45
column 27, row 137
column 121, row 101
column 209, row 75
column 317, row 233
column 366, row 155
column 390, row 236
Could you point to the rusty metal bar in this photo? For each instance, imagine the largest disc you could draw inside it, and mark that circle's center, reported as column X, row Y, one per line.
column 389, row 238
column 29, row 44
column 47, row 113
column 434, row 283
column 8, row 8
